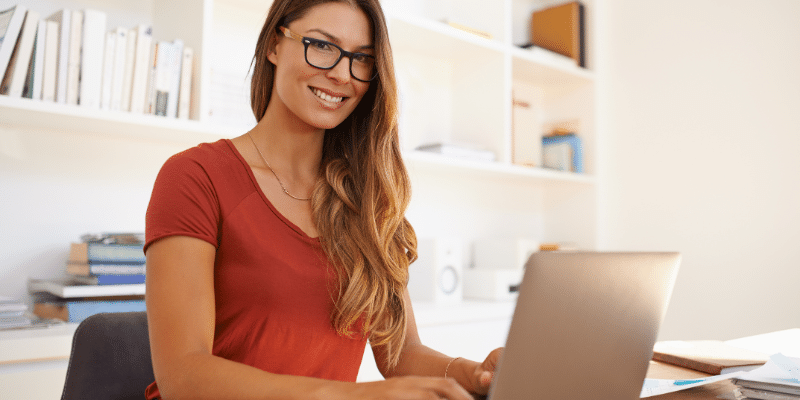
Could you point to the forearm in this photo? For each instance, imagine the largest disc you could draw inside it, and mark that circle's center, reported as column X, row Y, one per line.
column 203, row 376
column 420, row 360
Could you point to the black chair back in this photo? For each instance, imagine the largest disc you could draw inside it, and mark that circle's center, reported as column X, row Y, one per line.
column 110, row 358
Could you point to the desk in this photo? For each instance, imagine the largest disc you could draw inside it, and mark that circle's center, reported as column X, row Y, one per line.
column 717, row 390
column 33, row 362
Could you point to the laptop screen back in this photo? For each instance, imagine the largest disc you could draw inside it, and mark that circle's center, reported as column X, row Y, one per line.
column 584, row 325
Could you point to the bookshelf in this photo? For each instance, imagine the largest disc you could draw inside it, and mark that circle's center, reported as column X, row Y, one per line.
column 466, row 78
column 109, row 159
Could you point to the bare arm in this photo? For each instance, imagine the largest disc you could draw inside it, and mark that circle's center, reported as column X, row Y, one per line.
column 180, row 311
column 418, row 359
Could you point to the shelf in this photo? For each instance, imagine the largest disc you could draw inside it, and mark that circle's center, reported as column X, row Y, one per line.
column 544, row 70
column 27, row 114
column 434, row 38
column 487, row 169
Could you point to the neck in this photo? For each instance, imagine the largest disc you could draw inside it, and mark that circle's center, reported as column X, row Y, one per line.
column 292, row 147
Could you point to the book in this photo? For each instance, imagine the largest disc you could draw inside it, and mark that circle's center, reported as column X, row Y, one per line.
column 74, row 57
column 141, row 68
column 36, row 71
column 100, row 268
column 63, row 18
column 78, row 310
column 91, row 60
column 744, row 393
column 18, row 65
column 118, row 73
column 561, row 29
column 527, row 125
column 50, row 61
column 10, row 26
column 110, row 279
column 781, row 374
column 459, row 151
column 185, row 93
column 562, row 152
column 469, row 29
column 175, row 57
column 69, row 288
column 710, row 356
column 128, row 69
column 108, row 71
column 106, row 253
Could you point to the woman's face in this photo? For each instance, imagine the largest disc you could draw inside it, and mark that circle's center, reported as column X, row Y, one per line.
column 321, row 98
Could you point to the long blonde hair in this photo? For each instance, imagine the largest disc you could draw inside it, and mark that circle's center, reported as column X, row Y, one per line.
column 359, row 203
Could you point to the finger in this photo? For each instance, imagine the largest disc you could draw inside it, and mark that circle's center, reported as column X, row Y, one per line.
column 486, row 379
column 449, row 389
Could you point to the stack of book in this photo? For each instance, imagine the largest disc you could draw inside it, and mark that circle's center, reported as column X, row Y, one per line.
column 70, row 58
column 13, row 314
column 103, row 274
column 778, row 379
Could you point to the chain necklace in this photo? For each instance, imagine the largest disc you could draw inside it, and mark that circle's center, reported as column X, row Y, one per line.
column 273, row 171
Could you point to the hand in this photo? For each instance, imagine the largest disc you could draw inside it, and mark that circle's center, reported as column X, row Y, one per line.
column 484, row 373
column 411, row 388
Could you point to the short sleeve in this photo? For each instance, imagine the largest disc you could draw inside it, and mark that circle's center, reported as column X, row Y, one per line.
column 183, row 203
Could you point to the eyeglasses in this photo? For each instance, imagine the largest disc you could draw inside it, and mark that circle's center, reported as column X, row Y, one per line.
column 326, row 55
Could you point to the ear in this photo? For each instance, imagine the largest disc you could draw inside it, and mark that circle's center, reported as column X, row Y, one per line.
column 272, row 53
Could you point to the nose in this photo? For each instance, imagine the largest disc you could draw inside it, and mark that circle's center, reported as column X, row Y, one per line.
column 341, row 71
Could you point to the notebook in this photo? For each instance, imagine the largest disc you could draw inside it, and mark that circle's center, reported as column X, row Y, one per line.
column 584, row 325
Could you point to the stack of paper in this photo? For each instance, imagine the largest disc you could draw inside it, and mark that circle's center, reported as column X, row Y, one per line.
column 778, row 379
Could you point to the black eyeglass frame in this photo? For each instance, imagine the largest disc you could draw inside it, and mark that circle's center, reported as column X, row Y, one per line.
column 306, row 41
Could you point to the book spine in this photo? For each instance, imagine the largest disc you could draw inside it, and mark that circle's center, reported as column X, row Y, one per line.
column 127, row 82
column 78, row 311
column 64, row 20
column 108, row 71
column 117, row 82
column 111, row 279
column 100, row 253
column 18, row 65
column 92, row 47
column 74, row 54
column 103, row 269
column 36, row 73
column 121, row 253
column 176, row 57
column 687, row 363
column 185, row 95
column 50, row 62
column 141, row 67
column 14, row 16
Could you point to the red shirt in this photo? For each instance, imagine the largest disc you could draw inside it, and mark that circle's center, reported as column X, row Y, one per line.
column 272, row 282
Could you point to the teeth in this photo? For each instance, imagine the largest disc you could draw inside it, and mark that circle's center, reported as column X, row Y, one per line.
column 324, row 96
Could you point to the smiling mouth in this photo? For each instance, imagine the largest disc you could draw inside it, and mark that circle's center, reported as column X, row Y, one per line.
column 326, row 97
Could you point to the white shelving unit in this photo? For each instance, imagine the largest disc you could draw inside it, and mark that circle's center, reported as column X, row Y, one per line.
column 454, row 86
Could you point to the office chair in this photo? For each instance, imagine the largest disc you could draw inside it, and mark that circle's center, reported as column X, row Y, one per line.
column 110, row 358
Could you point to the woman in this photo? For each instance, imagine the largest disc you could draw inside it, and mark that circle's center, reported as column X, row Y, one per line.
column 274, row 256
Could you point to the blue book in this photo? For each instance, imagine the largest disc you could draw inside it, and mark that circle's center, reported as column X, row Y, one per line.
column 77, row 311
column 574, row 143
column 110, row 279
column 90, row 253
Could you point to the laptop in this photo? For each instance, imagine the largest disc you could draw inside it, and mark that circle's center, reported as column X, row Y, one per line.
column 584, row 325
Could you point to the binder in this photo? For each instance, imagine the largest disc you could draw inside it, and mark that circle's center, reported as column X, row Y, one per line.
column 561, row 29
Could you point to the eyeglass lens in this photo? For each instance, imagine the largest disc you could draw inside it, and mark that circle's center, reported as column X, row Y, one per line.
column 322, row 54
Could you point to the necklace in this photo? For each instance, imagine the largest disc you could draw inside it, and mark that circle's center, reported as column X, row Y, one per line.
column 273, row 171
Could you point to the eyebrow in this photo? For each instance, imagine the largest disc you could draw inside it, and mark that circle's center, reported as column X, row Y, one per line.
column 336, row 40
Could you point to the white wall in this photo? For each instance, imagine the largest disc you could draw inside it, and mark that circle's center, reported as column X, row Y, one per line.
column 699, row 112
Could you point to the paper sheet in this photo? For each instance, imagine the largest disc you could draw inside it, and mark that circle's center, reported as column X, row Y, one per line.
column 655, row 387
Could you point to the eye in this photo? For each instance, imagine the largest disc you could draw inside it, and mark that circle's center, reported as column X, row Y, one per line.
column 320, row 45
column 362, row 58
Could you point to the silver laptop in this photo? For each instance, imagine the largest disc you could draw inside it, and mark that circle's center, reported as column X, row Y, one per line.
column 584, row 325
